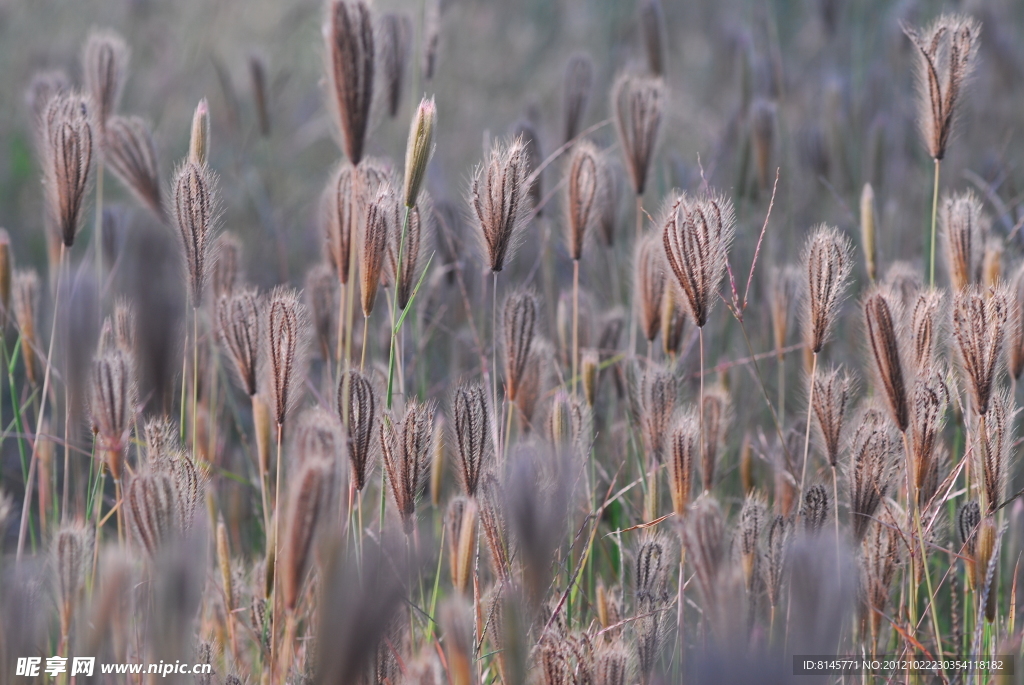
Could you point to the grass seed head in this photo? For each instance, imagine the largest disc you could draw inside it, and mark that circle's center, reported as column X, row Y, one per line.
column 395, row 42
column 964, row 231
column 500, row 200
column 105, row 58
column 831, row 396
column 980, row 318
column 827, row 265
column 650, row 283
column 578, row 84
column 240, row 327
column 520, row 320
column 69, row 142
column 637, row 103
column 361, row 422
column 883, row 318
column 350, row 65
column 130, row 153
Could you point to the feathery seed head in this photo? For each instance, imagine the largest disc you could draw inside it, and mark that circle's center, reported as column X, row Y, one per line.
column 72, row 554
column 650, row 283
column 471, row 428
column 130, row 153
column 195, row 212
column 994, row 445
column 697, row 234
column 525, row 131
column 608, row 209
column 816, row 509
column 151, row 509
column 380, row 223
column 104, row 66
column 395, row 37
column 239, row 325
column 307, row 511
column 407, row 450
column 785, row 288
column 923, row 324
column 883, row 318
column 651, row 573
column 227, row 264
column 579, row 81
column 67, row 162
column 418, row 149
column 590, row 365
column 287, row 333
column 339, row 207
column 361, row 422
column 584, row 195
column 113, row 399
column 980, row 319
column 775, row 557
column 964, row 231
column 751, row 526
column 880, row 559
column 637, row 103
column 25, row 303
column 704, row 536
column 928, row 412
column 161, row 438
column 831, row 394
column 717, row 415
column 419, row 229
column 349, row 39
column 873, row 463
column 946, row 55
column 520, row 320
column 500, row 200
column 657, row 396
column 827, row 264
column 968, row 516
column 321, row 295
column 611, row 664
column 493, row 523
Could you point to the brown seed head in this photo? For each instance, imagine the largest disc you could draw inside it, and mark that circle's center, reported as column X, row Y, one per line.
column 520, row 319
column 652, row 21
column 471, row 428
column 968, row 517
column 533, row 381
column 462, row 523
column 72, row 556
column 307, row 510
column 697, row 234
column 338, row 212
column 104, row 66
column 883, row 318
column 651, row 573
column 831, row 395
column 650, row 283
column 187, row 481
column 493, row 523
column 239, row 325
column 195, row 212
column 227, row 264
column 161, row 437
column 590, row 365
column 321, row 298
column 349, row 40
column 673, row 322
column 381, row 222
column 151, row 510
column 611, row 664
column 924, row 322
column 418, row 149
column 946, row 52
column 130, row 153
column 361, row 422
column 827, row 264
column 928, row 412
column 816, row 509
column 785, row 288
column 525, row 131
column 964, row 230
column 751, row 526
column 67, row 162
column 570, row 425
column 704, row 536
column 994, row 444
column 287, row 332
column 579, row 81
column 418, row 231
column 407, row 450
column 979, row 326
column 584, row 195
column 395, row 36
column 25, row 303
column 500, row 200
column 637, row 103
column 873, row 462
column 113, row 399
column 775, row 557
column 880, row 559
column 658, row 394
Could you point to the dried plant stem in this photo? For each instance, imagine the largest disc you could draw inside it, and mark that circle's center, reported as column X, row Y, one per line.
column 120, row 511
column 394, row 308
column 632, row 295
column 263, row 474
column 286, row 655
column 782, row 386
column 807, row 434
column 277, row 549
column 195, row 379
column 935, row 206
column 508, row 428
column 342, row 299
column 30, row 480
column 700, row 407
column 366, row 332
column 575, row 322
column 680, row 635
column 494, row 361
column 349, row 309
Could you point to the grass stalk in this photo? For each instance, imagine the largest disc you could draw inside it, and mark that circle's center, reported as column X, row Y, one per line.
column 935, row 207
column 807, row 434
column 26, row 504
column 575, row 322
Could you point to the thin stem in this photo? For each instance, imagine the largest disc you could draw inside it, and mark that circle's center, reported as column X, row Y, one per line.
column 195, row 378
column 99, row 226
column 120, row 510
column 277, row 548
column 494, row 357
column 935, row 207
column 700, row 409
column 807, row 434
column 339, row 345
column 575, row 322
column 263, row 468
column 394, row 308
column 29, row 482
column 636, row 236
column 366, row 332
